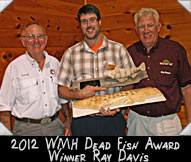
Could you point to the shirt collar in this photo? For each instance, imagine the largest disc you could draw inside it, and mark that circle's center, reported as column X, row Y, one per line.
column 33, row 61
column 142, row 49
column 86, row 48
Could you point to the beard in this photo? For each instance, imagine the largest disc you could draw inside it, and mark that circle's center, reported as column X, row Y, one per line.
column 93, row 36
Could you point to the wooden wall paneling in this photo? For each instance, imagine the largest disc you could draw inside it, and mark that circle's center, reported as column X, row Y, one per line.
column 12, row 38
column 181, row 31
column 109, row 8
column 9, row 54
column 53, row 7
column 56, row 26
column 123, row 6
column 99, row 1
column 123, row 36
column 172, row 16
column 17, row 20
column 6, row 56
column 59, row 23
column 62, row 39
column 7, row 20
column 2, row 71
column 124, row 21
column 80, row 2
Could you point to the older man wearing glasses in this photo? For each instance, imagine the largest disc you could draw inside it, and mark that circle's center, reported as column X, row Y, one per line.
column 30, row 91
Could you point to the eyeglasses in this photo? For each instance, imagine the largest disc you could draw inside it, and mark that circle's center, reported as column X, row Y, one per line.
column 144, row 26
column 91, row 20
column 32, row 36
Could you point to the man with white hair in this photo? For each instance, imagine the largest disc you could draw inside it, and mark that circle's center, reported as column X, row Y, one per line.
column 168, row 68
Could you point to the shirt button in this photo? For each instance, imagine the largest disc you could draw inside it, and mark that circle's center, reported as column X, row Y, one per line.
column 148, row 112
column 45, row 105
column 148, row 79
column 148, row 68
column 43, row 81
column 44, row 92
column 148, row 56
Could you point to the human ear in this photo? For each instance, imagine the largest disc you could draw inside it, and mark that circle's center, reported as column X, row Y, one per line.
column 99, row 22
column 159, row 27
column 23, row 41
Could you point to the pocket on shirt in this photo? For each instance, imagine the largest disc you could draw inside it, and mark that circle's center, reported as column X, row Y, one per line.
column 53, row 86
column 166, row 76
column 28, row 91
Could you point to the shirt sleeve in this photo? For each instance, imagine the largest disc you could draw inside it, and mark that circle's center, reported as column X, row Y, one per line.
column 7, row 91
column 66, row 73
column 127, row 61
column 184, row 69
column 62, row 101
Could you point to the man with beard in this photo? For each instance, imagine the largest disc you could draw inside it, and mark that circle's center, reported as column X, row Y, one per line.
column 30, row 91
column 86, row 60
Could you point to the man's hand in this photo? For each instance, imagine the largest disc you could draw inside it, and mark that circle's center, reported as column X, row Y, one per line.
column 90, row 91
column 5, row 118
column 186, row 92
column 108, row 112
column 67, row 124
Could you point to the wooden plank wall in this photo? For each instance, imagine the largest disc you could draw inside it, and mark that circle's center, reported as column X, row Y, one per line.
column 60, row 20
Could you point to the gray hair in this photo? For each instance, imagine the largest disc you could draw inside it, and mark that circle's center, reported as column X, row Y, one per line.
column 32, row 23
column 145, row 12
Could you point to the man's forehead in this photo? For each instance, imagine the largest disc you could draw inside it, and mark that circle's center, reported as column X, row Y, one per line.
column 88, row 15
column 34, row 27
column 146, row 18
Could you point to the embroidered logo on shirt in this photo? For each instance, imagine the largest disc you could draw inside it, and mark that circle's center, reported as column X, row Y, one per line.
column 166, row 62
column 165, row 72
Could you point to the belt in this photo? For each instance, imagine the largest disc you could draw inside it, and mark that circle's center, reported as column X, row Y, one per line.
column 43, row 121
column 147, row 114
